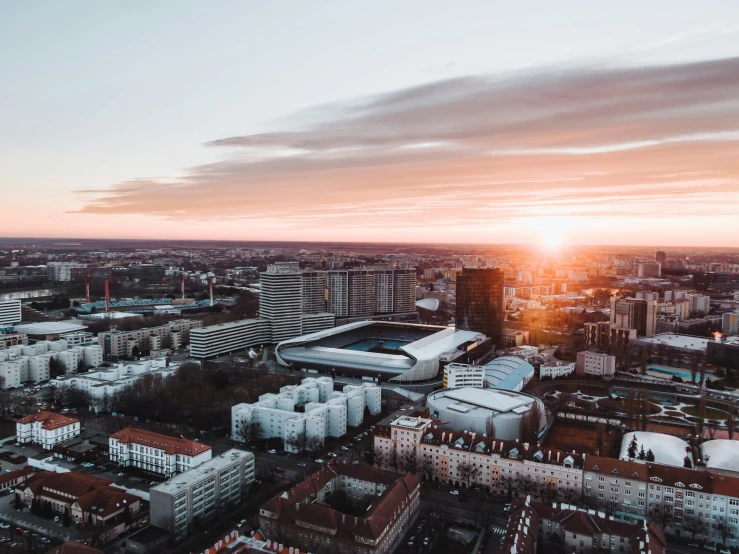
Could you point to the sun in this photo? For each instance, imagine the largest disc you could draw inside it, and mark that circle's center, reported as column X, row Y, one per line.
column 551, row 241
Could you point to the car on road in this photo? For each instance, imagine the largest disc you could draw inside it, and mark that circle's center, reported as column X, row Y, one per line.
column 121, row 474
column 725, row 551
column 301, row 465
column 426, row 541
column 344, row 448
column 4, row 526
column 11, row 491
column 710, row 547
column 56, row 518
column 507, row 508
column 242, row 522
column 355, row 462
column 455, row 493
column 272, row 451
column 319, row 461
column 411, row 540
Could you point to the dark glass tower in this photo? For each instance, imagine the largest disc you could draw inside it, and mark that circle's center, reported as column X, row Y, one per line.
column 480, row 302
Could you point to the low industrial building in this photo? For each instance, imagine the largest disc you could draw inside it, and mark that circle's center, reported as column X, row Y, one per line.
column 304, row 517
column 556, row 368
column 201, row 493
column 326, row 413
column 156, row 453
column 46, row 429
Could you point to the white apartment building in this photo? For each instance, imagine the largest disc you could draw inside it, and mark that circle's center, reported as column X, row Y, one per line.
column 62, row 271
column 23, row 363
column 201, row 492
column 506, row 468
column 12, row 339
column 463, row 375
column 595, row 363
column 280, row 301
column 46, row 429
column 10, row 312
column 556, row 368
column 326, row 412
column 226, row 338
column 156, row 453
column 104, row 384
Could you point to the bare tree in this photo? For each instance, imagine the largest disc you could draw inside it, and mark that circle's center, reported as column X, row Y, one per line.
column 296, row 442
column 427, row 466
column 394, row 459
column 490, row 427
column 529, row 424
column 248, row 432
column 313, row 444
column 409, row 461
column 379, row 457
column 525, row 484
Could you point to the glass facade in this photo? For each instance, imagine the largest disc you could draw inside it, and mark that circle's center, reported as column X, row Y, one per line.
column 480, row 302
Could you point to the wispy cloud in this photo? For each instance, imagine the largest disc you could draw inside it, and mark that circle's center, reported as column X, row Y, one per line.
column 649, row 142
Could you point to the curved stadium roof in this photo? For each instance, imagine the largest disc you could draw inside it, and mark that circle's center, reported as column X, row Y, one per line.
column 507, row 372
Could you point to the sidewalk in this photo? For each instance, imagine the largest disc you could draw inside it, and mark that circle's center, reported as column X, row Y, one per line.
column 27, row 520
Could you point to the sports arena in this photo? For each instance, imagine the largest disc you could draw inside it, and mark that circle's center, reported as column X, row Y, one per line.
column 397, row 352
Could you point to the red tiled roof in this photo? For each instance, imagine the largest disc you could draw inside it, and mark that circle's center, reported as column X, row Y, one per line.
column 623, row 468
column 106, row 501
column 71, row 483
column 171, row 445
column 680, row 477
column 27, row 471
column 51, row 420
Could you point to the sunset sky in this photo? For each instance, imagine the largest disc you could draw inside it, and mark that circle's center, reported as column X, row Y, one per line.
column 423, row 121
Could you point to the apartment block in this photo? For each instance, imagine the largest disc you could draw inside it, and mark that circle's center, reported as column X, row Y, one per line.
column 327, row 413
column 10, row 312
column 595, row 363
column 156, row 453
column 201, row 492
column 461, row 459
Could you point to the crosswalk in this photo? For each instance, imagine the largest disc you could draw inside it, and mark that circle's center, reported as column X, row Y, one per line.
column 498, row 531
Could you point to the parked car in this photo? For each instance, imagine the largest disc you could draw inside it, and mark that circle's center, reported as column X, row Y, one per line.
column 355, row 462
column 301, row 465
column 272, row 451
column 455, row 493
column 344, row 448
column 725, row 551
column 710, row 547
column 242, row 522
column 56, row 518
column 319, row 461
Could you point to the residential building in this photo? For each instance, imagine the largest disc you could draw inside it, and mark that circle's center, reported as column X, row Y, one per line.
column 556, row 368
column 633, row 313
column 12, row 339
column 534, row 527
column 104, row 384
column 597, row 334
column 508, row 468
column 117, row 345
column 88, row 500
column 10, row 312
column 590, row 362
column 305, row 517
column 351, row 293
column 480, row 302
column 61, row 272
column 326, row 413
column 648, row 270
column 730, row 323
column 226, row 338
column 463, row 375
column 280, row 301
column 156, row 453
column 46, row 429
column 201, row 493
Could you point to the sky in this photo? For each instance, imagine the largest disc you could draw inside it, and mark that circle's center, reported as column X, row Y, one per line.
column 412, row 121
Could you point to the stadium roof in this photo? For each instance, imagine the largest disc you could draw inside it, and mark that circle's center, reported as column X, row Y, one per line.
column 487, row 399
column 507, row 372
column 415, row 359
column 49, row 328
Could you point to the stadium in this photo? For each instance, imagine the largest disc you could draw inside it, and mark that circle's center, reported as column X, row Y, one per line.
column 396, row 352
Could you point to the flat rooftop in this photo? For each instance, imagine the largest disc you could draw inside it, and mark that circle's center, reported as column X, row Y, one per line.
column 177, row 482
column 687, row 342
column 411, row 422
column 492, row 399
column 49, row 328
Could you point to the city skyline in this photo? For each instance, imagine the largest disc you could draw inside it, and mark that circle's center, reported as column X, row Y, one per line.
column 547, row 127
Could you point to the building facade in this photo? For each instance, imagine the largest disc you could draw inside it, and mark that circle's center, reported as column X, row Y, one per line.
column 156, row 453
column 463, row 375
column 46, row 429
column 595, row 363
column 633, row 313
column 480, row 302
column 201, row 493
column 556, row 368
column 10, row 312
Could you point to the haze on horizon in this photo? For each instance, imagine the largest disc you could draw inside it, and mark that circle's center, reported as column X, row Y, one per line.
column 381, row 122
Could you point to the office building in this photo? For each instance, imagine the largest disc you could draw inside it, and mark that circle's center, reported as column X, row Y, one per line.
column 228, row 338
column 649, row 270
column 384, row 293
column 463, row 375
column 201, row 493
column 722, row 282
column 46, row 429
column 632, row 313
column 118, row 345
column 10, row 313
column 305, row 517
column 480, row 302
column 595, row 363
column 156, row 453
column 280, row 301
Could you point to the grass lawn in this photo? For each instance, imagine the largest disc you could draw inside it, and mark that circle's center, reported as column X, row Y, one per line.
column 7, row 428
column 710, row 413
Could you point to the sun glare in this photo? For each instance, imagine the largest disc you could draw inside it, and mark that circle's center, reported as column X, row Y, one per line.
column 551, row 241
